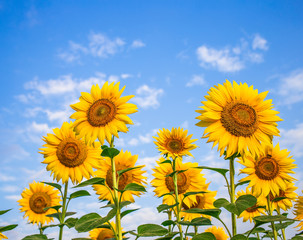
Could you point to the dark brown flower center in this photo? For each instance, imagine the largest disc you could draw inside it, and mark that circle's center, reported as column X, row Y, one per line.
column 101, row 112
column 71, row 152
column 174, row 145
column 267, row 168
column 124, row 179
column 239, row 119
column 38, row 201
column 281, row 194
column 105, row 234
column 254, row 208
column 199, row 204
column 183, row 183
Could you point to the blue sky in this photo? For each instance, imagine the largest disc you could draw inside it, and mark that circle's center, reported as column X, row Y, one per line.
column 167, row 53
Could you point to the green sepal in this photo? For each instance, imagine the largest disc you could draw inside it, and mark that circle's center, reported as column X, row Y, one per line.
column 110, row 152
column 92, row 181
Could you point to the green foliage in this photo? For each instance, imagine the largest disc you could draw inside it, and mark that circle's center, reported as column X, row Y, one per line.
column 239, row 237
column 55, row 185
column 128, row 169
column 71, row 222
column 151, row 230
column 8, row 227
column 128, row 211
column 110, row 152
column 89, row 222
column 164, row 207
column 92, row 181
column 80, row 193
column 134, row 187
column 204, row 236
column 210, row 212
column 53, row 207
column 222, row 171
column 35, row 237
column 4, row 211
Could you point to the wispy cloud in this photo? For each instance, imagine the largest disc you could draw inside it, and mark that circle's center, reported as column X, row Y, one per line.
column 138, row 44
column 147, row 97
column 6, row 178
column 142, row 139
column 196, row 80
column 292, row 140
column 259, row 43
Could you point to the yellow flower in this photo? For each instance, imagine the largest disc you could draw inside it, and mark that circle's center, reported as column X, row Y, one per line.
column 35, row 199
column 298, row 211
column 123, row 160
column 67, row 156
column 269, row 172
column 204, row 201
column 103, row 233
column 175, row 143
column 2, row 236
column 218, row 232
column 189, row 181
column 255, row 210
column 102, row 113
column 237, row 118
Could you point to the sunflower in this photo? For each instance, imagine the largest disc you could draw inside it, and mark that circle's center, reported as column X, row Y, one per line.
column 67, row 156
column 236, row 117
column 203, row 201
column 102, row 113
column 3, row 236
column 255, row 210
column 35, row 199
column 191, row 180
column 218, row 232
column 269, row 172
column 175, row 143
column 123, row 160
column 298, row 211
column 103, row 233
column 290, row 195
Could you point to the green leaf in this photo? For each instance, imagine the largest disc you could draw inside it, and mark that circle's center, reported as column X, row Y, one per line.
column 260, row 220
column 128, row 169
column 222, row 171
column 8, row 227
column 125, row 203
column 4, row 211
column 88, row 222
column 168, row 222
column 175, row 172
column 134, row 187
column 35, row 237
column 210, row 212
column 204, row 236
column 55, row 215
column 53, row 207
column 48, row 226
column 200, row 221
column 80, row 238
column 239, row 237
column 71, row 222
column 92, row 181
column 241, row 183
column 110, row 215
column 150, row 230
column 110, row 152
column 80, row 193
column 256, row 230
column 165, row 161
column 103, row 147
column 170, row 193
column 55, row 185
column 169, row 236
column 297, row 238
column 277, row 199
column 163, row 207
column 193, row 193
column 283, row 225
column 128, row 211
column 69, row 214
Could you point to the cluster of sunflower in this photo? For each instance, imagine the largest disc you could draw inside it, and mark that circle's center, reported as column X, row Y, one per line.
column 236, row 118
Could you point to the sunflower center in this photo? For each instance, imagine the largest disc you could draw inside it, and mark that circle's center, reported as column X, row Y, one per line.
column 267, row 168
column 124, row 179
column 281, row 194
column 39, row 201
column 71, row 152
column 239, row 119
column 174, row 145
column 183, row 183
column 101, row 112
column 254, row 208
column 105, row 234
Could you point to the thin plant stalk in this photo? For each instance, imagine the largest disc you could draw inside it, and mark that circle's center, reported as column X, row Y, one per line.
column 232, row 193
column 272, row 223
column 283, row 229
column 64, row 208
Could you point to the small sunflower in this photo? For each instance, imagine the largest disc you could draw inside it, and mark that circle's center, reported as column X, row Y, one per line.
column 190, row 180
column 298, row 211
column 35, row 199
column 67, row 156
column 103, row 233
column 237, row 118
column 269, row 172
column 2, row 236
column 102, row 113
column 123, row 160
column 175, row 143
column 255, row 210
column 218, row 232
column 203, row 201
column 290, row 195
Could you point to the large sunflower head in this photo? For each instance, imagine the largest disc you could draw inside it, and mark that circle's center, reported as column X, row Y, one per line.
column 219, row 232
column 237, row 118
column 255, row 210
column 67, row 156
column 102, row 113
column 298, row 212
column 269, row 172
column 203, row 201
column 191, row 180
column 35, row 199
column 2, row 236
column 123, row 160
column 175, row 143
column 103, row 233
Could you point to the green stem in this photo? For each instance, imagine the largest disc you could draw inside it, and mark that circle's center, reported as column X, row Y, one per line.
column 64, row 208
column 196, row 230
column 272, row 223
column 169, row 213
column 258, row 236
column 40, row 229
column 232, row 193
column 226, row 228
column 283, row 229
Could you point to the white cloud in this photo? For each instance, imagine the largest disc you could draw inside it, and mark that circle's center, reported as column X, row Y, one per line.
column 291, row 87
column 184, row 125
column 148, row 97
column 259, row 43
column 13, row 197
column 196, row 80
column 9, row 188
column 142, row 139
column 6, row 178
column 292, row 140
column 126, row 75
column 138, row 44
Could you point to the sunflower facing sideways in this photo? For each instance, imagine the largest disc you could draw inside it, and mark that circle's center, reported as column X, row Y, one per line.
column 269, row 172
column 175, row 143
column 238, row 119
column 35, row 199
column 218, row 232
column 298, row 212
column 67, row 156
column 123, row 160
column 191, row 180
column 102, row 113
